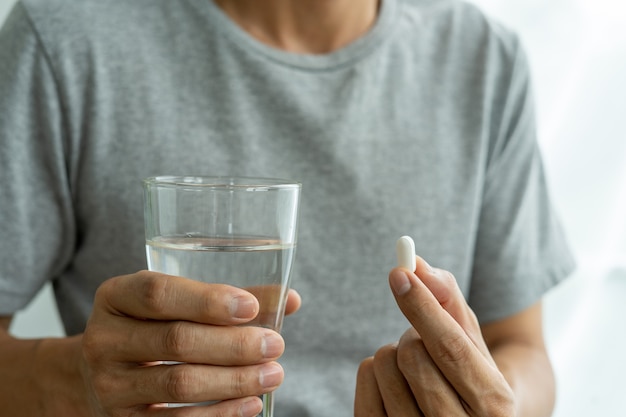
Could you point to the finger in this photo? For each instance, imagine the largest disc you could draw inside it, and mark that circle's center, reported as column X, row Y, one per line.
column 294, row 302
column 462, row 363
column 128, row 340
column 445, row 288
column 273, row 303
column 240, row 407
column 367, row 400
column 190, row 383
column 432, row 391
column 152, row 295
column 397, row 396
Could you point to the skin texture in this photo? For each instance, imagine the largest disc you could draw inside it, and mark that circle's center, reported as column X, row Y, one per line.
column 447, row 365
column 303, row 26
column 139, row 320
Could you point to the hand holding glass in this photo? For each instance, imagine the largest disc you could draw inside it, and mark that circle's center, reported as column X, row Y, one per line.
column 236, row 231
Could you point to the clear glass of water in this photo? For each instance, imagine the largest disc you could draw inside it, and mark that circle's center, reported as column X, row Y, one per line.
column 228, row 230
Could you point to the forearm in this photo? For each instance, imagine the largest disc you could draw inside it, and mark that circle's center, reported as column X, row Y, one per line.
column 41, row 378
column 529, row 373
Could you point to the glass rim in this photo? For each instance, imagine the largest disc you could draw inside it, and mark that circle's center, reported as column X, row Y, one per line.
column 220, row 182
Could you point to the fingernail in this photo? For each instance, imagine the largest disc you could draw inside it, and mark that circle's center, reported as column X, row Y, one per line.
column 271, row 375
column 250, row 408
column 243, row 308
column 399, row 281
column 272, row 345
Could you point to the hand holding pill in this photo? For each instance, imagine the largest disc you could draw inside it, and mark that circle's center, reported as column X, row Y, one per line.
column 441, row 365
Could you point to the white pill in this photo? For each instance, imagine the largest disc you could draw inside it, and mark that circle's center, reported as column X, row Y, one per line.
column 405, row 249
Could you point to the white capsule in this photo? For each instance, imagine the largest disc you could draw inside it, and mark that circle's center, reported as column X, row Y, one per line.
column 405, row 249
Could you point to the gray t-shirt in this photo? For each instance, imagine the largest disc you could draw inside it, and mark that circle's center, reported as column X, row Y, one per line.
column 423, row 127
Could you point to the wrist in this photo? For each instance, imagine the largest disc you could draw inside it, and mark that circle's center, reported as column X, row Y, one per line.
column 60, row 383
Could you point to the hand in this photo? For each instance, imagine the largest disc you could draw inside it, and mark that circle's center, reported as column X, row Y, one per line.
column 140, row 320
column 441, row 365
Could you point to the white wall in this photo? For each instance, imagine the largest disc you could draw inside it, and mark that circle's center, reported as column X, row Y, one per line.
column 577, row 52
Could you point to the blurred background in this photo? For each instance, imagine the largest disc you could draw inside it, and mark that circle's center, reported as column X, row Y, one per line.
column 577, row 53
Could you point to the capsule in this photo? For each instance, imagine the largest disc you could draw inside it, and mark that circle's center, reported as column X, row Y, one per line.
column 405, row 249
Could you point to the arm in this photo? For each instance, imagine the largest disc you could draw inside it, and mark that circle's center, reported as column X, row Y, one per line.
column 517, row 346
column 40, row 377
column 446, row 364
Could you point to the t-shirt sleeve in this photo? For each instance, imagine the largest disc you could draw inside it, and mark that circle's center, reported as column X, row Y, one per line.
column 520, row 250
column 36, row 218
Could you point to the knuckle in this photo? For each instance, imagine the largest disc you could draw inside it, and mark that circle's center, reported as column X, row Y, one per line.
column 240, row 384
column 366, row 365
column 178, row 341
column 212, row 300
column 422, row 307
column 105, row 292
column 447, row 276
column 179, row 383
column 153, row 291
column 365, row 373
column 498, row 404
column 405, row 358
column 239, row 346
column 385, row 355
column 220, row 412
column 453, row 349
column 386, row 361
column 409, row 354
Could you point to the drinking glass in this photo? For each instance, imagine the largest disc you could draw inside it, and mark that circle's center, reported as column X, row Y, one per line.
column 227, row 230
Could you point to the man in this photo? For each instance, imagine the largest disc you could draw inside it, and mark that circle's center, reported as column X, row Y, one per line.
column 399, row 117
